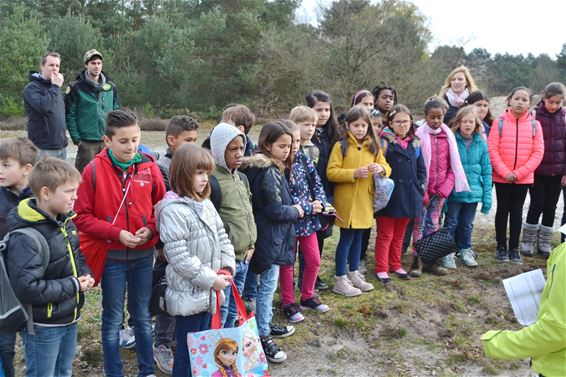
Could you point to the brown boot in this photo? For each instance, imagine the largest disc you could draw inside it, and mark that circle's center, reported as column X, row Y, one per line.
column 417, row 267
column 435, row 269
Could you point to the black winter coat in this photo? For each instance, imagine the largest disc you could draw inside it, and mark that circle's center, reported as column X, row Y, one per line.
column 54, row 292
column 8, row 201
column 450, row 112
column 409, row 174
column 44, row 106
column 273, row 212
column 322, row 141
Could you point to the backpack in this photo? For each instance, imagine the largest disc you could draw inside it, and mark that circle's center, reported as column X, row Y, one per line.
column 533, row 123
column 12, row 312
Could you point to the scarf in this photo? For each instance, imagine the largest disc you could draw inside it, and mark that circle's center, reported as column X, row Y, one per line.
column 456, row 100
column 124, row 165
column 424, row 133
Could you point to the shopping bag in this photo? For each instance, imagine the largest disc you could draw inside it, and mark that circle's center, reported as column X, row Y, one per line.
column 228, row 352
column 383, row 188
column 435, row 246
column 94, row 251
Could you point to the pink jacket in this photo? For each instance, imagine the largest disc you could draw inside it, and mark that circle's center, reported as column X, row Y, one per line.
column 441, row 176
column 514, row 149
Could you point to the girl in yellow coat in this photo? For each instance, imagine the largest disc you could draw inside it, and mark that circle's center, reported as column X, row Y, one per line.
column 352, row 163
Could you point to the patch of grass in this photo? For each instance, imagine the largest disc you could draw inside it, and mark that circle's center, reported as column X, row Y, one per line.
column 395, row 332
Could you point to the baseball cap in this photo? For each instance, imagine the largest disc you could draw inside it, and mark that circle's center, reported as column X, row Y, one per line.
column 90, row 54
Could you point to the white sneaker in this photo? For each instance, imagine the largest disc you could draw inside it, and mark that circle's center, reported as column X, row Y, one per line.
column 344, row 287
column 127, row 338
column 163, row 357
column 358, row 280
column 449, row 262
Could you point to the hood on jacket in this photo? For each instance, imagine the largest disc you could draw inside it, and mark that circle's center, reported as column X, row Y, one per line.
column 171, row 198
column 220, row 137
column 508, row 115
column 253, row 165
column 36, row 76
column 83, row 77
column 27, row 214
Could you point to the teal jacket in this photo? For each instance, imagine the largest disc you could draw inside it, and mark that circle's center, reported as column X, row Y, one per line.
column 477, row 166
column 545, row 340
column 86, row 106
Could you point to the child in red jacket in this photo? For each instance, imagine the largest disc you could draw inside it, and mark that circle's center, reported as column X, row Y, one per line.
column 516, row 148
column 115, row 205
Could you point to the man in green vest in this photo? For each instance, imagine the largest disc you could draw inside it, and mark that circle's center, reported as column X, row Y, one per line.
column 88, row 99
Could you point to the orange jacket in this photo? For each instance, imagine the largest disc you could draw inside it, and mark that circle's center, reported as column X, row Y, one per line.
column 514, row 149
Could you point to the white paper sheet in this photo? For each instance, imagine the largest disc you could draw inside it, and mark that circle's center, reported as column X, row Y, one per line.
column 524, row 292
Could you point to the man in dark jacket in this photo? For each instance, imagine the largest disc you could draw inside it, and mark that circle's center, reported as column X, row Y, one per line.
column 88, row 99
column 45, row 108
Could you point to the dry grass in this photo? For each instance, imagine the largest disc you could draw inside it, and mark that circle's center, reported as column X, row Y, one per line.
column 429, row 326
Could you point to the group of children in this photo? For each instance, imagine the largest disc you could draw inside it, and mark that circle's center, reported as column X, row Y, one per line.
column 305, row 174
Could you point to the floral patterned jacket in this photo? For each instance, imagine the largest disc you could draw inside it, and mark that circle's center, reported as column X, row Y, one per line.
column 305, row 186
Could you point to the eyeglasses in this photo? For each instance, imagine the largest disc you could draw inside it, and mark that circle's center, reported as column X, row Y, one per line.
column 401, row 122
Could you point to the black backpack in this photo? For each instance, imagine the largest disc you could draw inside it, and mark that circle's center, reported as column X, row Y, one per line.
column 12, row 312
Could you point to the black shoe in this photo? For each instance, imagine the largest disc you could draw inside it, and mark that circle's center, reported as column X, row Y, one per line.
column 272, row 351
column 384, row 280
column 403, row 276
column 278, row 331
column 515, row 257
column 501, row 254
column 320, row 284
column 543, row 254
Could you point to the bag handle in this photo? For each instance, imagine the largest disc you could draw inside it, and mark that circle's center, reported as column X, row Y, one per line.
column 240, row 308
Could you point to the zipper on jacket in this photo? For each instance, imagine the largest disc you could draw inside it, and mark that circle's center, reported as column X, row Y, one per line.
column 243, row 206
column 73, row 265
column 551, row 280
column 436, row 157
column 100, row 125
column 516, row 143
column 124, row 180
column 49, row 310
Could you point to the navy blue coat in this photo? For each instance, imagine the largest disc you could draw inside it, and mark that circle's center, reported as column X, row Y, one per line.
column 409, row 174
column 9, row 200
column 273, row 213
column 45, row 108
column 322, row 141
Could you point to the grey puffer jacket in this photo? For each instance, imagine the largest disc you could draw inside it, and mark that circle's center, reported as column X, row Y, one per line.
column 196, row 247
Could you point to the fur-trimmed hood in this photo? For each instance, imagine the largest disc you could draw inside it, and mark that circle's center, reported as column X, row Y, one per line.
column 260, row 161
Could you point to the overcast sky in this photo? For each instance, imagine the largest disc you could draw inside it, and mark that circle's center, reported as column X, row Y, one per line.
column 499, row 26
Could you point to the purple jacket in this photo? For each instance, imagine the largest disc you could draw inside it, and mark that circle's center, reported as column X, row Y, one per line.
column 554, row 133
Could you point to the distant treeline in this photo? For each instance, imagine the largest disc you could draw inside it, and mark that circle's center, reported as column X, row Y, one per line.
column 198, row 55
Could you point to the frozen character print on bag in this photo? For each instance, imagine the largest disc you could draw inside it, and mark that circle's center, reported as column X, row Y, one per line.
column 225, row 356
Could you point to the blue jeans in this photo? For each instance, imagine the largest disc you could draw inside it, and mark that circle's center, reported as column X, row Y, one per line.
column 51, row 351
column 264, row 301
column 183, row 326
column 57, row 153
column 459, row 221
column 136, row 275
column 250, row 286
column 7, row 344
column 348, row 250
column 228, row 310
